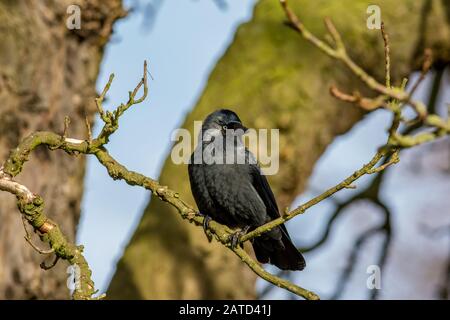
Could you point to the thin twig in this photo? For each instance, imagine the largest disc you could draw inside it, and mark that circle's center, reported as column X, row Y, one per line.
column 48, row 267
column 88, row 129
column 392, row 160
column 28, row 239
column 99, row 100
column 334, row 34
column 66, row 126
column 426, row 65
column 351, row 261
column 387, row 58
column 341, row 55
column 272, row 278
column 302, row 208
column 364, row 103
column 41, row 251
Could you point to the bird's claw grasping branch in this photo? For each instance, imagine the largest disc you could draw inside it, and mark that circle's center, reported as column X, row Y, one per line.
column 206, row 220
column 235, row 237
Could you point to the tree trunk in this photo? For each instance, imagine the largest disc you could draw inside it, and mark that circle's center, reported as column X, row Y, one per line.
column 273, row 79
column 47, row 72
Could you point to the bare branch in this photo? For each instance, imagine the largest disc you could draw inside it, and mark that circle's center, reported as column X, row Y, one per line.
column 351, row 261
column 99, row 100
column 364, row 103
column 32, row 208
column 111, row 119
column 41, row 251
column 66, row 126
column 88, row 128
column 392, row 160
column 334, row 34
column 272, row 278
column 302, row 208
column 48, row 267
column 426, row 65
column 297, row 25
column 387, row 58
column 341, row 54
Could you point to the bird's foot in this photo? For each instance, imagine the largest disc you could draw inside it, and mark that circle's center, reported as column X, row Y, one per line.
column 208, row 233
column 235, row 237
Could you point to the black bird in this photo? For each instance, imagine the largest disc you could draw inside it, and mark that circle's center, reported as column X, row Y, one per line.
column 237, row 194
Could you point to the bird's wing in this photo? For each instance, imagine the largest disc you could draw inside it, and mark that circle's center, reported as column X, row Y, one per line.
column 199, row 188
column 262, row 186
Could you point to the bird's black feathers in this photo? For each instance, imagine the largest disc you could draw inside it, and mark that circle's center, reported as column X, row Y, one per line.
column 285, row 258
column 221, row 116
column 289, row 258
column 239, row 196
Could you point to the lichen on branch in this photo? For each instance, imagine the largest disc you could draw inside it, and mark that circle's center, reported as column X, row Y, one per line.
column 31, row 207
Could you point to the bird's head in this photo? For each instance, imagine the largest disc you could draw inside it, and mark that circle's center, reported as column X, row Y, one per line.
column 223, row 120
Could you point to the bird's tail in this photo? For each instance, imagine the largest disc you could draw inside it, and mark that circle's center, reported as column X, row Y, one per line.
column 281, row 253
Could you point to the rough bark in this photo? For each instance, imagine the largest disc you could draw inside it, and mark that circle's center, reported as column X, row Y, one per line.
column 47, row 72
column 273, row 79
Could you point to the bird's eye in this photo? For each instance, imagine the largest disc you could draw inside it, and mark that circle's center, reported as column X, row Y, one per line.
column 224, row 127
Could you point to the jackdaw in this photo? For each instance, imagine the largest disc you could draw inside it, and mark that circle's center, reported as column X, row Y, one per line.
column 235, row 193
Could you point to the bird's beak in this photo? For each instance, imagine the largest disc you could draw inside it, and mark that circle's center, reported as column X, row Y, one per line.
column 235, row 125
